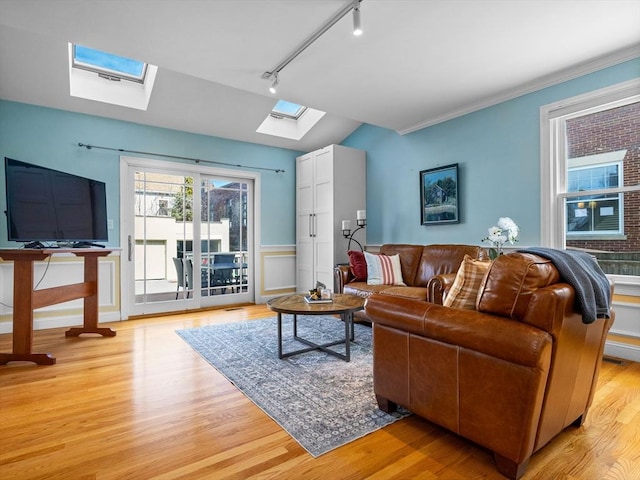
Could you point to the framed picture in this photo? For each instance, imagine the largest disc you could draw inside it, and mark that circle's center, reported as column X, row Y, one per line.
column 439, row 195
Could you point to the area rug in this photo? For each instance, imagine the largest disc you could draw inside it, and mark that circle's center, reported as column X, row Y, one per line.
column 321, row 401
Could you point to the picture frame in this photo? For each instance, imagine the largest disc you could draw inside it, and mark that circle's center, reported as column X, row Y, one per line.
column 439, row 199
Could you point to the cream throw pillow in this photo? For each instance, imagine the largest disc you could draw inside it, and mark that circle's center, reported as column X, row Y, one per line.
column 383, row 269
column 464, row 290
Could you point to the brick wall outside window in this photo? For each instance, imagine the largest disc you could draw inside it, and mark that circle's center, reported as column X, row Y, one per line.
column 609, row 131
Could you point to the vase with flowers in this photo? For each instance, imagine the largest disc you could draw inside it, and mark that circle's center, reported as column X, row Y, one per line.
column 505, row 231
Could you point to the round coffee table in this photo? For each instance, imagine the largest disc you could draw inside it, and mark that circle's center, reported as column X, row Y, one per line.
column 343, row 305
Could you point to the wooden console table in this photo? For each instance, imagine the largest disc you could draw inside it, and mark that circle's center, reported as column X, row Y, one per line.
column 26, row 299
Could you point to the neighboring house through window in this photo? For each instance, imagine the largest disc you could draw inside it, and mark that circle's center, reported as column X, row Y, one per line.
column 595, row 216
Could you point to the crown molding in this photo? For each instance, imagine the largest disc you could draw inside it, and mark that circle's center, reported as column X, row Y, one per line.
column 580, row 70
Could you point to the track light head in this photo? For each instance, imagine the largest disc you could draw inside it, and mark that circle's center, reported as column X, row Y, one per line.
column 274, row 86
column 357, row 24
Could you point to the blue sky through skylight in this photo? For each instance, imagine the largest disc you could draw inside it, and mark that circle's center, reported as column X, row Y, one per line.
column 109, row 61
column 288, row 108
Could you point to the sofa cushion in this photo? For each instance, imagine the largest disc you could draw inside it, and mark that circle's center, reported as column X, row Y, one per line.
column 362, row 289
column 358, row 266
column 464, row 291
column 383, row 269
column 511, row 281
column 410, row 257
column 419, row 293
column 442, row 259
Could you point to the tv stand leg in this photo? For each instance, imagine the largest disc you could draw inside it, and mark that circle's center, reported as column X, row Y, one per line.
column 90, row 323
column 37, row 358
column 23, row 305
column 77, row 331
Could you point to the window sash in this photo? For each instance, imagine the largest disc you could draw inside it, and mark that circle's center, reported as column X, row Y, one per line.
column 594, row 172
column 592, row 212
column 129, row 69
column 553, row 160
column 287, row 110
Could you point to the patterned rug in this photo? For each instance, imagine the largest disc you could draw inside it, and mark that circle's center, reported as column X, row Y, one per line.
column 321, row 401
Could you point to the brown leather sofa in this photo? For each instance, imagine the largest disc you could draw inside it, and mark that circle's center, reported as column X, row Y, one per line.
column 508, row 376
column 422, row 267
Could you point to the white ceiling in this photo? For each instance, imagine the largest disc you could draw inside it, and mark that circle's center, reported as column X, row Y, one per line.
column 419, row 62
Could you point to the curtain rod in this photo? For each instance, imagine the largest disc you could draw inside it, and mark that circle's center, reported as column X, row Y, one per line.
column 178, row 157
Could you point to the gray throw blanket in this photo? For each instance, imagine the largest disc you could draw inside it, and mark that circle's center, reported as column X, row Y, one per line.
column 582, row 272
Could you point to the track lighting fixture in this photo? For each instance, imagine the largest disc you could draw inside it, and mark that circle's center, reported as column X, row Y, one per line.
column 353, row 5
column 357, row 25
column 274, row 86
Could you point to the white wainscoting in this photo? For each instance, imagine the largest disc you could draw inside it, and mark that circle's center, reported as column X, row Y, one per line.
column 63, row 269
column 626, row 301
column 627, row 320
column 278, row 271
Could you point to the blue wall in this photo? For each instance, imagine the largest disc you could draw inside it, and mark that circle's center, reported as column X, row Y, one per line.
column 497, row 150
column 50, row 138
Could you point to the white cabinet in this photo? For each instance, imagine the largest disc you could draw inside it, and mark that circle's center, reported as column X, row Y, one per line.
column 330, row 187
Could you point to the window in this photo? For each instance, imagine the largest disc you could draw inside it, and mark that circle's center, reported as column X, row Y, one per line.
column 290, row 120
column 595, row 215
column 88, row 69
column 284, row 109
column 108, row 65
column 590, row 176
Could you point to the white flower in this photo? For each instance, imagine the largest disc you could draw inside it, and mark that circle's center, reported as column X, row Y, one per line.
column 505, row 223
column 505, row 231
column 497, row 239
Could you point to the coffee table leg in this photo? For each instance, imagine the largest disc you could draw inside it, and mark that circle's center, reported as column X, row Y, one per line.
column 347, row 336
column 279, row 335
column 353, row 332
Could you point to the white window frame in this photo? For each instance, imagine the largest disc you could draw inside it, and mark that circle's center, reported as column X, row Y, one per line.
column 553, row 159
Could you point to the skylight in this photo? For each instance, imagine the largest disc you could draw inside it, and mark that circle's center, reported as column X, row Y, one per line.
column 287, row 110
column 286, row 120
column 108, row 65
column 89, row 67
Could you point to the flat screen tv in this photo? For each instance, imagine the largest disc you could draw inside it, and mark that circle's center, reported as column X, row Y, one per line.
column 45, row 205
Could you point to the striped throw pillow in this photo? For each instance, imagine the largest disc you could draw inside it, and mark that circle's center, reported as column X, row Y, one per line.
column 464, row 290
column 383, row 269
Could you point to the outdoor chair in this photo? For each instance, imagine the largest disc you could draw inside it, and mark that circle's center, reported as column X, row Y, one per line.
column 185, row 275
column 222, row 271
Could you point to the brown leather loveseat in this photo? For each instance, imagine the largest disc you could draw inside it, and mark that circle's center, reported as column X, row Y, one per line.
column 421, row 265
column 508, row 376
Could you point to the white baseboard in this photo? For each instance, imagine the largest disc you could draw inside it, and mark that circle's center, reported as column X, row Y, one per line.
column 622, row 350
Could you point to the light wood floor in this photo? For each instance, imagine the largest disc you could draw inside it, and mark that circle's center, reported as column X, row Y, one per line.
column 144, row 405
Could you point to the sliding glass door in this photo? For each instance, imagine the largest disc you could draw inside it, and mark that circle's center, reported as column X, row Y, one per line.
column 188, row 238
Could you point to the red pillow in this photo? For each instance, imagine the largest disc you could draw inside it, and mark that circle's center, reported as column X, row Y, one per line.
column 358, row 265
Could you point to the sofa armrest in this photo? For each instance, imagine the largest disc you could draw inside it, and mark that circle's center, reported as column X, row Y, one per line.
column 341, row 276
column 438, row 286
